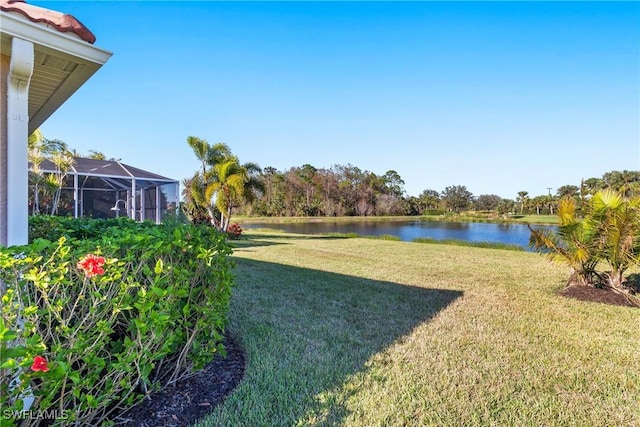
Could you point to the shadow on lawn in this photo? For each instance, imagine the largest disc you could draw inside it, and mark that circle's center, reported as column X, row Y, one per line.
column 307, row 331
column 249, row 240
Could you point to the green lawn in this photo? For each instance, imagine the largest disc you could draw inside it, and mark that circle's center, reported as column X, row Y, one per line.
column 364, row 332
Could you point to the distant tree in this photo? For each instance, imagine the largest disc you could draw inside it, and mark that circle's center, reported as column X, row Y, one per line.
column 429, row 199
column 539, row 202
column 550, row 202
column 625, row 182
column 393, row 183
column 306, row 175
column 457, row 197
column 506, row 206
column 96, row 155
column 487, row 202
column 523, row 197
column 593, row 185
column 568, row 191
column 412, row 206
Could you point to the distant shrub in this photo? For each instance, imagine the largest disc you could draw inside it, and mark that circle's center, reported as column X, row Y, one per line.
column 434, row 212
column 106, row 311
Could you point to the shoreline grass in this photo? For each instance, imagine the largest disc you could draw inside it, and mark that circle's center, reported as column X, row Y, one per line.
column 362, row 332
column 518, row 219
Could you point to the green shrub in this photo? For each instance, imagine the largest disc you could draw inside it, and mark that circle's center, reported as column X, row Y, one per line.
column 114, row 307
column 434, row 212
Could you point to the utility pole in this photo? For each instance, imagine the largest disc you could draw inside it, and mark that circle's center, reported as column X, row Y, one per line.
column 549, row 188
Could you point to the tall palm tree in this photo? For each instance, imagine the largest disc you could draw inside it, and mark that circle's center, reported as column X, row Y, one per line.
column 230, row 183
column 222, row 183
column 523, row 197
column 208, row 154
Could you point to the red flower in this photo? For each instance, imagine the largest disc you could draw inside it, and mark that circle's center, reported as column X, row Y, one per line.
column 40, row 364
column 91, row 265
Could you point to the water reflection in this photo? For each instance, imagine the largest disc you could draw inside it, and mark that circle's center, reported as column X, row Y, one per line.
column 512, row 234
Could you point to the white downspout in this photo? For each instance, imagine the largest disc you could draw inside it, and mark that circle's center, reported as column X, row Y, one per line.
column 76, row 195
column 18, row 80
column 142, row 203
column 133, row 199
column 158, row 216
column 20, row 72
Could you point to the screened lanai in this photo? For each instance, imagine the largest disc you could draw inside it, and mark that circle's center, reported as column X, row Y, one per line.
column 104, row 189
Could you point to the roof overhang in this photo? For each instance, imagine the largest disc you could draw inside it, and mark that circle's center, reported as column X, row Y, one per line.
column 62, row 63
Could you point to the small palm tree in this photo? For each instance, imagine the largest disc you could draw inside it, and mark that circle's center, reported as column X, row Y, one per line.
column 619, row 242
column 609, row 233
column 573, row 244
column 63, row 161
column 40, row 149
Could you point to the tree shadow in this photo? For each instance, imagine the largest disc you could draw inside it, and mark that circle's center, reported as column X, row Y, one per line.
column 306, row 332
column 249, row 240
column 633, row 281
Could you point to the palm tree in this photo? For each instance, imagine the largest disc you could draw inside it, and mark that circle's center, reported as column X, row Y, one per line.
column 229, row 184
column 63, row 160
column 610, row 233
column 622, row 181
column 573, row 244
column 523, row 197
column 222, row 183
column 40, row 149
column 206, row 153
column 619, row 244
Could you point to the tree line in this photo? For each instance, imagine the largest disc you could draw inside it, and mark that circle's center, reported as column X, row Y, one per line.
column 347, row 190
column 223, row 185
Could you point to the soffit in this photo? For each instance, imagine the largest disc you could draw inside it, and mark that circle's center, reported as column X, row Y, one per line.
column 62, row 63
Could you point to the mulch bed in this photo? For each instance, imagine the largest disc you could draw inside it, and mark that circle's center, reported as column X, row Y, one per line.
column 593, row 294
column 192, row 398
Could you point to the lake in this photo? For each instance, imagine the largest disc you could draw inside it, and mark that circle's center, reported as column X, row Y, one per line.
column 511, row 234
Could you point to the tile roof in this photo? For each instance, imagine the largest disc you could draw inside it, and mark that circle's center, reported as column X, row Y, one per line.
column 60, row 21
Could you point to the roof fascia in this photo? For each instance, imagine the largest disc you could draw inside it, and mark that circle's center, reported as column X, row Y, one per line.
column 18, row 26
column 89, row 58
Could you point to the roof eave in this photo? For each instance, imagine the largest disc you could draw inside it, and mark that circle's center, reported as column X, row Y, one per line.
column 90, row 58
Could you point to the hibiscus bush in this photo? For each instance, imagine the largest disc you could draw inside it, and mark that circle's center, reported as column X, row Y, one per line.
column 105, row 311
column 234, row 231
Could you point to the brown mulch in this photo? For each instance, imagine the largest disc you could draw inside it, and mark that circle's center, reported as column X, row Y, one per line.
column 593, row 294
column 192, row 398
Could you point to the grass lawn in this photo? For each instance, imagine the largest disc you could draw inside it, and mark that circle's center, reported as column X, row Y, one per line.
column 364, row 332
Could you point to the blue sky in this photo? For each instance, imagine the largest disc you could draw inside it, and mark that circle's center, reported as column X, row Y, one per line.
column 498, row 96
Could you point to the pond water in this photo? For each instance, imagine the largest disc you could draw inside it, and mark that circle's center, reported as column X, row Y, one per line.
column 512, row 234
